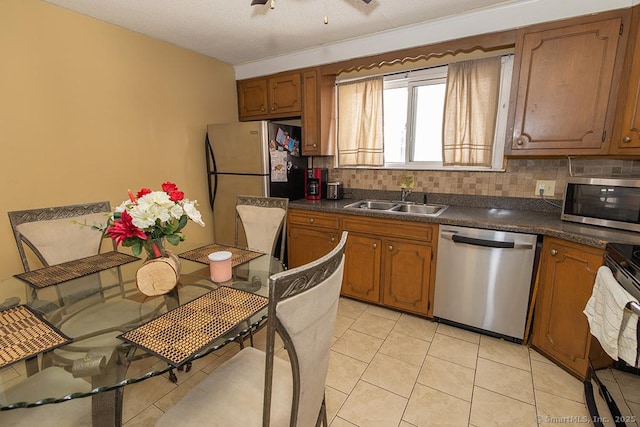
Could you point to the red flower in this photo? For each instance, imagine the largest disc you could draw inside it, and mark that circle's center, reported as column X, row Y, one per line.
column 176, row 195
column 143, row 192
column 123, row 228
column 172, row 190
column 168, row 187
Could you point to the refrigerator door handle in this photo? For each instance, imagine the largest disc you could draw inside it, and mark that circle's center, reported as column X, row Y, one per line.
column 211, row 171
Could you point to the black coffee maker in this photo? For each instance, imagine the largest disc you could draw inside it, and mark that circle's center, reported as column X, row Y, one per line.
column 315, row 183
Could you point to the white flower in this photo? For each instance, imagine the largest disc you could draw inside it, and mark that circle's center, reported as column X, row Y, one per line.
column 192, row 212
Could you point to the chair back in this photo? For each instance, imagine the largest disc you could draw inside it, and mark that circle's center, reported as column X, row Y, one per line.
column 303, row 303
column 263, row 220
column 55, row 234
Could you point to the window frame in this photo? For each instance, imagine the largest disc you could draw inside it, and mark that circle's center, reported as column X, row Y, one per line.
column 414, row 78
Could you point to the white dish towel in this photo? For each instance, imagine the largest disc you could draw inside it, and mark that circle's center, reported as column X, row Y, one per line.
column 614, row 328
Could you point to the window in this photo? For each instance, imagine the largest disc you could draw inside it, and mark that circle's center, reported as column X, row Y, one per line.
column 406, row 97
column 413, row 111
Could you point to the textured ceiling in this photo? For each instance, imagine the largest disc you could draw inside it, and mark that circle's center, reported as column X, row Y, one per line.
column 235, row 32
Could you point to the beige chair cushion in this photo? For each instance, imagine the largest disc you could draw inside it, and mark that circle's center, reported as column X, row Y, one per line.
column 51, row 382
column 62, row 240
column 261, row 226
column 233, row 395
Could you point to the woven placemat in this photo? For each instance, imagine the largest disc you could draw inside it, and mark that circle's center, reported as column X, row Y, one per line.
column 182, row 332
column 23, row 333
column 238, row 255
column 59, row 273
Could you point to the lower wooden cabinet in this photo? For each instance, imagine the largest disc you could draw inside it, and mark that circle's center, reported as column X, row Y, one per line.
column 560, row 329
column 406, row 280
column 310, row 236
column 362, row 267
column 387, row 261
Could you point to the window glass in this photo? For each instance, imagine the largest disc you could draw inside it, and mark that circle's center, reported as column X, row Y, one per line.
column 429, row 100
column 395, row 124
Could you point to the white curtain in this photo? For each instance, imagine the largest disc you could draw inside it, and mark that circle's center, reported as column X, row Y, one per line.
column 471, row 105
column 360, row 130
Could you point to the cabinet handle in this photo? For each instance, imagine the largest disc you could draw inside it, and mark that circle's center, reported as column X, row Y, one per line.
column 375, row 245
column 316, row 145
column 554, row 252
column 333, row 239
column 311, row 220
column 626, row 139
column 390, row 247
column 519, row 141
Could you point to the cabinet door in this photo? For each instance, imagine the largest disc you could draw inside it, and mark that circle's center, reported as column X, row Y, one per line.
column 308, row 244
column 560, row 329
column 406, row 277
column 252, row 98
column 362, row 268
column 564, row 90
column 627, row 130
column 310, row 114
column 285, row 94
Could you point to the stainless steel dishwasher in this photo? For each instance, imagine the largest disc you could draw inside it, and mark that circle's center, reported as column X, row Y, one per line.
column 483, row 280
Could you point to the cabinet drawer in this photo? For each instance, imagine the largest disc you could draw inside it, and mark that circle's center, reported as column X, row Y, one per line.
column 317, row 219
column 389, row 227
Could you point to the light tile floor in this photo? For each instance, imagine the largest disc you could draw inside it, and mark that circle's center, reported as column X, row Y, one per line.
column 394, row 369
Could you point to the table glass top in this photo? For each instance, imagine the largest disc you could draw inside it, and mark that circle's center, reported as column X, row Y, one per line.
column 94, row 310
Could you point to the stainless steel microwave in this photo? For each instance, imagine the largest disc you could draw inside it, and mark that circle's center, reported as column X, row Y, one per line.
column 607, row 202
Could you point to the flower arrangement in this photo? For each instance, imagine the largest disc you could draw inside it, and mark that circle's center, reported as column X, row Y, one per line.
column 149, row 216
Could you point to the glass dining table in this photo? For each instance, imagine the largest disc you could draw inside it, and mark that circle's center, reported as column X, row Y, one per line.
column 76, row 339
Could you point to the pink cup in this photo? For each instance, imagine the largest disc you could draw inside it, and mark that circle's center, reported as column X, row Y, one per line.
column 220, row 266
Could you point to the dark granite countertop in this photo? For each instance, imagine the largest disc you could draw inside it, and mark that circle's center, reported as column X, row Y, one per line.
column 507, row 214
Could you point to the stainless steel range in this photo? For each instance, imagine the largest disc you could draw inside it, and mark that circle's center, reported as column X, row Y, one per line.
column 609, row 406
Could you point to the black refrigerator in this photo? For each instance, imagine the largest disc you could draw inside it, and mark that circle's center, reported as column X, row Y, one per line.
column 258, row 158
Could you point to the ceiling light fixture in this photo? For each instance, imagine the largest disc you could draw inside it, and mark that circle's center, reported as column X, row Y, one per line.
column 273, row 2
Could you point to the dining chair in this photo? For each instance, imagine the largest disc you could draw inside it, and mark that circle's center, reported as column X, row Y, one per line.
column 54, row 235
column 256, row 388
column 264, row 222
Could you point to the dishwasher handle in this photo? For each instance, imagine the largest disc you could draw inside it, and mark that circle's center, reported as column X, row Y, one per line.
column 484, row 242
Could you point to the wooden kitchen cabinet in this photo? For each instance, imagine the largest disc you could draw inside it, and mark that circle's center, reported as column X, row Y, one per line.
column 407, row 263
column 626, row 137
column 564, row 89
column 560, row 329
column 318, row 121
column 310, row 235
column 277, row 96
column 390, row 262
column 362, row 267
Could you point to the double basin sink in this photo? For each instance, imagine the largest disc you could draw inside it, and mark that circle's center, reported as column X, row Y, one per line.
column 398, row 207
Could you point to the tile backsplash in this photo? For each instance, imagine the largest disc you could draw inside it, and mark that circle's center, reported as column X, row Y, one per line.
column 518, row 180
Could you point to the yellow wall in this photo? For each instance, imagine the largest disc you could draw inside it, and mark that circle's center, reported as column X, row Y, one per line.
column 89, row 110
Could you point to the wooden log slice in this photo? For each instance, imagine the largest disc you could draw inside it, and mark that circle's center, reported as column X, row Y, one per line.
column 157, row 276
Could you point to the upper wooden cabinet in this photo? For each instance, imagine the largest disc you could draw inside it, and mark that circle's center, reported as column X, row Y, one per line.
column 278, row 96
column 626, row 136
column 564, row 88
column 317, row 114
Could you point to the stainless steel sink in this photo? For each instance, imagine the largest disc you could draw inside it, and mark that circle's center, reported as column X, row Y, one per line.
column 391, row 206
column 419, row 209
column 372, row 204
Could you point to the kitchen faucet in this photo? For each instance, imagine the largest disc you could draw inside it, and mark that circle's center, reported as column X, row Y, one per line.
column 404, row 192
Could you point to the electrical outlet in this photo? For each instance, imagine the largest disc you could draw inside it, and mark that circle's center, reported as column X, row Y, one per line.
column 548, row 188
